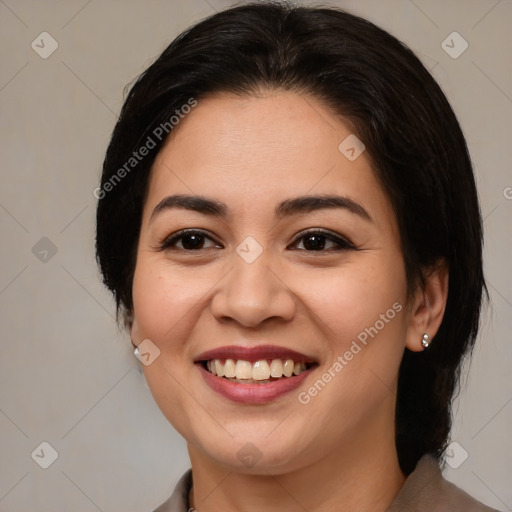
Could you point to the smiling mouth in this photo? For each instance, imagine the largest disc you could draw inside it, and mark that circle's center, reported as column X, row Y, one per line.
column 262, row 371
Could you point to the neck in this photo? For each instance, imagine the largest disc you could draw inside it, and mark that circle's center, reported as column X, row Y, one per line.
column 362, row 474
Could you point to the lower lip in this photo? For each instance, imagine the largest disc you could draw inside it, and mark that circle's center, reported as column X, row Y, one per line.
column 252, row 393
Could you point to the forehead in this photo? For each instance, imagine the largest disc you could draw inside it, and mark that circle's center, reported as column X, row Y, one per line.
column 252, row 151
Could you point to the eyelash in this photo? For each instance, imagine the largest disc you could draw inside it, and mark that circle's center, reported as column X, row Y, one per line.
column 342, row 243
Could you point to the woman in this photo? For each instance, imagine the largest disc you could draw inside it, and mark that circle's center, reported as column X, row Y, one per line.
column 289, row 224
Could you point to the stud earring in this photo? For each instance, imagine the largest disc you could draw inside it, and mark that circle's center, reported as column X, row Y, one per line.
column 425, row 340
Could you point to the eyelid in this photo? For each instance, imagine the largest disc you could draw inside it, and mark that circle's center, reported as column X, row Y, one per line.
column 342, row 241
column 333, row 237
column 168, row 240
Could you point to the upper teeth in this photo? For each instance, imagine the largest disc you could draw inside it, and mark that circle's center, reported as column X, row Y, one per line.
column 259, row 370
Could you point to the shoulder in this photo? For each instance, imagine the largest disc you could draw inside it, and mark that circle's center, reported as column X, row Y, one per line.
column 427, row 490
column 178, row 502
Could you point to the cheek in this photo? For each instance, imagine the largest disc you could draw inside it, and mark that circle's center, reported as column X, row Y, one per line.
column 350, row 300
column 164, row 313
column 163, row 300
column 361, row 311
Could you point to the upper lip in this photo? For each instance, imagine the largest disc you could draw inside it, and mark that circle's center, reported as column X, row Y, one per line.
column 253, row 354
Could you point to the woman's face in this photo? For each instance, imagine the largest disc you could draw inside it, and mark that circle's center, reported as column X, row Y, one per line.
column 264, row 277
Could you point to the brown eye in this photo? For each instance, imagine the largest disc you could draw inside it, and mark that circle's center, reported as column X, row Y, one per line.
column 321, row 241
column 188, row 241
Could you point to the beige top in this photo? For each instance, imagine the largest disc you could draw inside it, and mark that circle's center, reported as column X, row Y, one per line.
column 425, row 490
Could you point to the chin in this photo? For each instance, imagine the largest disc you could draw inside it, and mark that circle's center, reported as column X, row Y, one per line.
column 252, row 454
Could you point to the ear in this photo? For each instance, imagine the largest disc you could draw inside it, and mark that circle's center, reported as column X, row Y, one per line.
column 428, row 306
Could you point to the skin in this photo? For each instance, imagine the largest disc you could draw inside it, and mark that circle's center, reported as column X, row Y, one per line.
column 251, row 153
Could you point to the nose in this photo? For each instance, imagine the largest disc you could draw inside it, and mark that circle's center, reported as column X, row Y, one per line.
column 253, row 293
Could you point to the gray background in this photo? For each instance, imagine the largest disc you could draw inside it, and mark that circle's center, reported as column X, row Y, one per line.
column 67, row 374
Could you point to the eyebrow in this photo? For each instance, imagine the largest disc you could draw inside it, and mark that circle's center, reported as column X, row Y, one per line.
column 289, row 207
